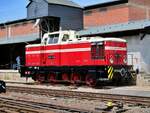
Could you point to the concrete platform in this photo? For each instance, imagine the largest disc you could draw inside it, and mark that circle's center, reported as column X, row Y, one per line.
column 129, row 90
column 12, row 76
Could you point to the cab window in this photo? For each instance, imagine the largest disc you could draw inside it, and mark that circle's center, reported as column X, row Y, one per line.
column 65, row 37
column 97, row 51
column 53, row 39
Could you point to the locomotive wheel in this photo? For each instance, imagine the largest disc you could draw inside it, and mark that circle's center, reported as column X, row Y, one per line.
column 75, row 78
column 52, row 77
column 91, row 80
column 65, row 77
column 40, row 78
column 34, row 78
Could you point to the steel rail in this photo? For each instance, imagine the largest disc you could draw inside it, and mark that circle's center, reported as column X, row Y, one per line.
column 34, row 107
column 82, row 95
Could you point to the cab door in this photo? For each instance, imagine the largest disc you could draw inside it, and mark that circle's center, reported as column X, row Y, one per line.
column 42, row 53
column 97, row 52
column 53, row 50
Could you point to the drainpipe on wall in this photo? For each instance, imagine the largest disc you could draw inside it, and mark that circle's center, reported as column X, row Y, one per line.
column 6, row 35
column 9, row 31
column 147, row 13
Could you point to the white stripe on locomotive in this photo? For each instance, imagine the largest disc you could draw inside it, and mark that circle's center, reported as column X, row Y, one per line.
column 75, row 50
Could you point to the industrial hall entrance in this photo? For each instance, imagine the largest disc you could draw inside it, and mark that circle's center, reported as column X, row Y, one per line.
column 9, row 54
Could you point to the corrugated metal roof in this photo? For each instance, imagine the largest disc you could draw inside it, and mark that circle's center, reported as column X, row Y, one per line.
column 106, row 4
column 13, row 21
column 64, row 2
column 134, row 25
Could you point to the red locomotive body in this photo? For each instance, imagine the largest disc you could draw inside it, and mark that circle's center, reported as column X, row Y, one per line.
column 63, row 56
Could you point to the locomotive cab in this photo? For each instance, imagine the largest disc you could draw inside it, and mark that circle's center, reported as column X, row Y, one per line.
column 61, row 37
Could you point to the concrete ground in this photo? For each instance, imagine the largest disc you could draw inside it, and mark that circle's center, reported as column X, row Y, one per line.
column 12, row 77
column 127, row 90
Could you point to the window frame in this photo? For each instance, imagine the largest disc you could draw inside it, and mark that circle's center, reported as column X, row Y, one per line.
column 98, row 51
column 64, row 37
column 53, row 40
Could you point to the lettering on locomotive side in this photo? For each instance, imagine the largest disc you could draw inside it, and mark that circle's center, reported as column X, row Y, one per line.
column 51, row 57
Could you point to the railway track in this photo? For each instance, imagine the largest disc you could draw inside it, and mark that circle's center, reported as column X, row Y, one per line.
column 83, row 95
column 8, row 105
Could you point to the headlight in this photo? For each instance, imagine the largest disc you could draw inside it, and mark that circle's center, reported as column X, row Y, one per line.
column 27, row 72
column 35, row 67
column 111, row 60
column 125, row 60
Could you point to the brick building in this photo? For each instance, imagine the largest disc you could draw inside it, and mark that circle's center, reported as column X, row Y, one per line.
column 13, row 38
column 114, row 12
column 128, row 19
column 17, row 29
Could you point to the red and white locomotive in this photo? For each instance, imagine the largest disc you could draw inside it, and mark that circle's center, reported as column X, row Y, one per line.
column 65, row 57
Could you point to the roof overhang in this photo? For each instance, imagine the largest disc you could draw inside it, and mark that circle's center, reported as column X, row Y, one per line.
column 20, row 39
column 67, row 3
column 30, row 1
column 129, row 26
column 13, row 22
column 106, row 4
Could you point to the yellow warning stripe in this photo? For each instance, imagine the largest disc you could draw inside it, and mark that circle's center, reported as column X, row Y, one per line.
column 110, row 72
column 109, row 76
column 112, row 75
column 110, row 69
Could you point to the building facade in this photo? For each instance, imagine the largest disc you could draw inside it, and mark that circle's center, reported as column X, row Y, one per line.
column 17, row 29
column 119, row 11
column 42, row 16
column 128, row 19
column 67, row 14
column 13, row 38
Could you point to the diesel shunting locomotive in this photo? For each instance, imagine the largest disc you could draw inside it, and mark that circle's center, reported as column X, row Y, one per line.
column 63, row 56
